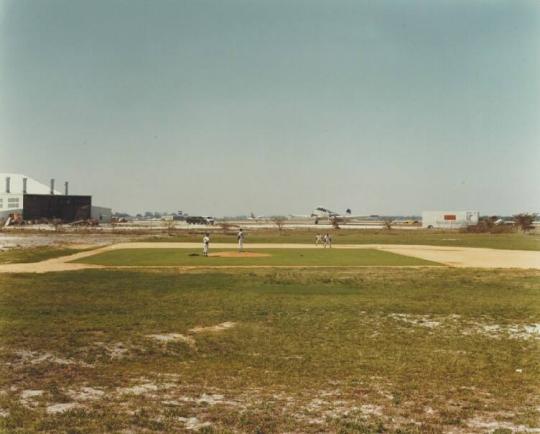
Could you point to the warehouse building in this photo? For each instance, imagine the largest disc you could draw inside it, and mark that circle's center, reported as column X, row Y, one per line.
column 449, row 219
column 34, row 202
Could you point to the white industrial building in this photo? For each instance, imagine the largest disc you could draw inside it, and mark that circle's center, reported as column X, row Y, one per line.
column 34, row 200
column 449, row 219
column 16, row 186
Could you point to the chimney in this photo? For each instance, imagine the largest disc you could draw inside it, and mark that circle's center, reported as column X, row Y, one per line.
column 8, row 179
column 24, row 182
column 52, row 185
column 66, row 185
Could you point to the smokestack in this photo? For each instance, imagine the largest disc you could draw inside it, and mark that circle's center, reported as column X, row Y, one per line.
column 24, row 182
column 52, row 185
column 66, row 185
column 8, row 180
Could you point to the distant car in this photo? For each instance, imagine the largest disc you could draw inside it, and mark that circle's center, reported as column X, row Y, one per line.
column 200, row 220
column 410, row 222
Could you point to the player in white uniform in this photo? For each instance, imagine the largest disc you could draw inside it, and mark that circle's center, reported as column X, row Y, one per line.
column 327, row 241
column 318, row 239
column 240, row 238
column 206, row 243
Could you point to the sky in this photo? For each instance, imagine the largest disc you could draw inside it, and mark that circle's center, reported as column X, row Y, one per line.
column 225, row 107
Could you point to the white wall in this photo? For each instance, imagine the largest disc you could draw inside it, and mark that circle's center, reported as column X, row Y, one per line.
column 449, row 219
column 11, row 202
column 32, row 186
column 102, row 214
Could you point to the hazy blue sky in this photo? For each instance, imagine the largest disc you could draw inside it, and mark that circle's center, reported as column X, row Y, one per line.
column 227, row 106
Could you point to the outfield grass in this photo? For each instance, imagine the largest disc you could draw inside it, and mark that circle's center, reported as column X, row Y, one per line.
column 277, row 257
column 512, row 241
column 34, row 254
column 369, row 350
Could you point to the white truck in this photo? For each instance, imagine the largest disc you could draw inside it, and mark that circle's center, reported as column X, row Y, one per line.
column 449, row 219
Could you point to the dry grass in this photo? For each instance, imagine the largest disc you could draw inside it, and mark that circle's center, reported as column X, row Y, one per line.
column 438, row 350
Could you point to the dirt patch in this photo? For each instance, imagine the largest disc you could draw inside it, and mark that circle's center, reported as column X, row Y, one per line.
column 116, row 350
column 418, row 320
column 172, row 337
column 36, row 357
column 512, row 331
column 238, row 255
column 216, row 328
column 209, row 399
column 193, row 423
column 85, row 394
column 28, row 397
column 147, row 388
column 493, row 425
column 62, row 407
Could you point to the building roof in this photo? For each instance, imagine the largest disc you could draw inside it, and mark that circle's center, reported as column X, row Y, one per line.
column 16, row 184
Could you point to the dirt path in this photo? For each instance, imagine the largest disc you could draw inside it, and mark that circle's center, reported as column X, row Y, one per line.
column 451, row 256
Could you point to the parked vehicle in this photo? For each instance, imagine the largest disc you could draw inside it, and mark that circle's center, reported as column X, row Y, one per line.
column 200, row 220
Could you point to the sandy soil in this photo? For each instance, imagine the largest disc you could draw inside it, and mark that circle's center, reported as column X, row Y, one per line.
column 215, row 328
column 451, row 256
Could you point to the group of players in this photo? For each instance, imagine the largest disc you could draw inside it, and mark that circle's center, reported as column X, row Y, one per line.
column 324, row 240
column 239, row 236
column 320, row 239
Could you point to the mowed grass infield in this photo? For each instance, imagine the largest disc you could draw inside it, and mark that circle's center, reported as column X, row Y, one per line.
column 510, row 241
column 269, row 257
column 364, row 350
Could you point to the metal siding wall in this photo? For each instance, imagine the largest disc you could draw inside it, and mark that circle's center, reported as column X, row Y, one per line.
column 66, row 208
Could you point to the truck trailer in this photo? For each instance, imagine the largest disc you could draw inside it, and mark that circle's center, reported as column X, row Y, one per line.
column 449, row 219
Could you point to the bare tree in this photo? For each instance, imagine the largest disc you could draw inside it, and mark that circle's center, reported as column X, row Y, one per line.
column 524, row 221
column 171, row 226
column 387, row 222
column 279, row 221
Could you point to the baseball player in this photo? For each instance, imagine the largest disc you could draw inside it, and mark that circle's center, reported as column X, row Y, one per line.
column 206, row 243
column 327, row 240
column 240, row 238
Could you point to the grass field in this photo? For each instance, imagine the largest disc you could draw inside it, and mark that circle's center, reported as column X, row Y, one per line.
column 366, row 350
column 513, row 241
column 34, row 254
column 276, row 257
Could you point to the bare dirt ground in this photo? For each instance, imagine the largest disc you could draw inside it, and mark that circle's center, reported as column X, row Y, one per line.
column 74, row 240
column 452, row 256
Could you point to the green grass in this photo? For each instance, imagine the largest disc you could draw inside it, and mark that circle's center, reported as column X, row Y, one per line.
column 512, row 241
column 34, row 254
column 296, row 257
column 309, row 349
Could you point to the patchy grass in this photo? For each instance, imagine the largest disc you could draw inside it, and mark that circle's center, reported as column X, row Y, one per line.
column 367, row 350
column 511, row 241
column 34, row 254
column 276, row 257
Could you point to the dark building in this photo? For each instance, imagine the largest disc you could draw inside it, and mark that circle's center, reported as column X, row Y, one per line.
column 32, row 201
column 48, row 206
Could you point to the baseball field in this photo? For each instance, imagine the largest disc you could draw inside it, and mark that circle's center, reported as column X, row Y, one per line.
column 342, row 340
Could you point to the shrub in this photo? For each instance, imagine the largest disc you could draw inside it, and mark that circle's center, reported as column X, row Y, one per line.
column 524, row 221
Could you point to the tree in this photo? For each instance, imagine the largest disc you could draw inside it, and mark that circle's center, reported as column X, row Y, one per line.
column 279, row 221
column 171, row 226
column 387, row 222
column 524, row 221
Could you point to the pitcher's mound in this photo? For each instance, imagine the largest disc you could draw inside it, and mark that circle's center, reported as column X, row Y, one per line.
column 238, row 255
